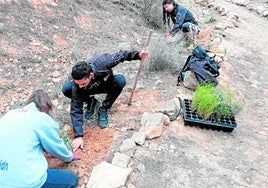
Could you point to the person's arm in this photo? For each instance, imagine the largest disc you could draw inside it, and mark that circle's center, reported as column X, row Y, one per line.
column 77, row 112
column 180, row 17
column 108, row 61
column 127, row 56
column 52, row 143
column 77, row 118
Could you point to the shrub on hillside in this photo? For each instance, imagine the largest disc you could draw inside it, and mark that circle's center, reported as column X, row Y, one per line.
column 164, row 57
column 152, row 13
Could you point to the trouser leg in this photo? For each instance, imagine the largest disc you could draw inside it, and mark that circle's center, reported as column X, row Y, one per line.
column 67, row 89
column 190, row 30
column 112, row 87
column 115, row 87
column 93, row 106
column 60, row 178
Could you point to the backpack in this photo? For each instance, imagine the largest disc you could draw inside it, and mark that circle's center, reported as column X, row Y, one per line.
column 204, row 67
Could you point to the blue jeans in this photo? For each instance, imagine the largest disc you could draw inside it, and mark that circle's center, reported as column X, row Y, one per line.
column 57, row 178
column 112, row 87
column 186, row 27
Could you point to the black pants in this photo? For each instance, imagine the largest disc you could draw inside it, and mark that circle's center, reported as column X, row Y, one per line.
column 112, row 87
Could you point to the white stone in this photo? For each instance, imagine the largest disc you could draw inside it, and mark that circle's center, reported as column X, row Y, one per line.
column 106, row 175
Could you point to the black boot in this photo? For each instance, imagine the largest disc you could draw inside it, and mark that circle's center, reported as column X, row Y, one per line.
column 102, row 117
column 92, row 108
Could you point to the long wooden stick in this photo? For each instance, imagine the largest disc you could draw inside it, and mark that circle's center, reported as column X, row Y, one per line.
column 140, row 68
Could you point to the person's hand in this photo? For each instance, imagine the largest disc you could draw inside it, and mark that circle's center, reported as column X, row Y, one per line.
column 76, row 156
column 169, row 37
column 143, row 54
column 78, row 143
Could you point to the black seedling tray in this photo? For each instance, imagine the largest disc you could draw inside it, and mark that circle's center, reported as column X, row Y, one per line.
column 191, row 118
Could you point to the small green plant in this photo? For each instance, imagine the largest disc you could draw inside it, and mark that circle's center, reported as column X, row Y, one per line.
column 66, row 139
column 204, row 100
column 51, row 53
column 209, row 100
column 211, row 19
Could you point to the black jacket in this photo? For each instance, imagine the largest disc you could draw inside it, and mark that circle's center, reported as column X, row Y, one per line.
column 102, row 67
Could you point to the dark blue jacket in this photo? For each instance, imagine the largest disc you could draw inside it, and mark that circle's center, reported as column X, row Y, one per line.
column 102, row 67
column 181, row 15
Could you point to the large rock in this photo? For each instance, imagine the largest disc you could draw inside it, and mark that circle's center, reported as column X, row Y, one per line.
column 128, row 147
column 190, row 80
column 152, row 124
column 106, row 175
column 171, row 109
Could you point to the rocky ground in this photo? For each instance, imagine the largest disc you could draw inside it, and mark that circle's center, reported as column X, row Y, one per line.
column 41, row 40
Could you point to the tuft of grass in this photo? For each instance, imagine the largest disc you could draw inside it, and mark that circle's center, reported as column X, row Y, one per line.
column 209, row 100
column 225, row 100
column 163, row 57
column 211, row 19
column 205, row 100
column 51, row 53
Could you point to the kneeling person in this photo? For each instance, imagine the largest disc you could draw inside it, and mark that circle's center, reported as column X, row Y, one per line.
column 95, row 76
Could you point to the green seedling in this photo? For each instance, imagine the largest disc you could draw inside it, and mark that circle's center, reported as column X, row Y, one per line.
column 209, row 100
column 66, row 139
column 205, row 100
column 51, row 54
column 211, row 19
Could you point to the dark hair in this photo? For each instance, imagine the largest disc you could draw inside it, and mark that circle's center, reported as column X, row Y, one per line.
column 168, row 2
column 81, row 70
column 167, row 15
column 41, row 100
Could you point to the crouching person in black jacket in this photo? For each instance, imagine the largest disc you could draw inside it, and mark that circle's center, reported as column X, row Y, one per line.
column 95, row 76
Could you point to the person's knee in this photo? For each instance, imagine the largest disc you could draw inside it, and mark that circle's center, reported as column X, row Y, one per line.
column 61, row 178
column 186, row 27
column 120, row 81
column 73, row 180
column 67, row 90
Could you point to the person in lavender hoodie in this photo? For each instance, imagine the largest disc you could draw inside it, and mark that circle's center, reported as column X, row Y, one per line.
column 25, row 134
